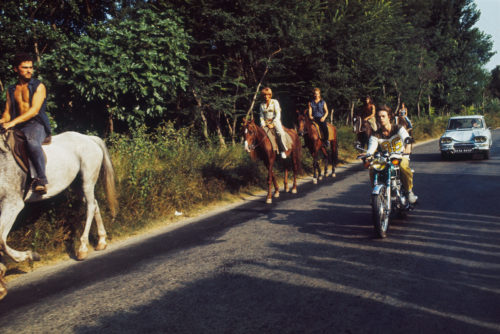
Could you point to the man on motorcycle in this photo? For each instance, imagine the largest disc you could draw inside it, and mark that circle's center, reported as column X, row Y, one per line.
column 392, row 138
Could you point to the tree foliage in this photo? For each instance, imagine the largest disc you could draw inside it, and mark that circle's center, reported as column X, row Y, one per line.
column 200, row 62
column 130, row 68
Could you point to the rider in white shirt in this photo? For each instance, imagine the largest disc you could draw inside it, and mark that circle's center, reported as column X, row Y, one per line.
column 270, row 116
column 391, row 138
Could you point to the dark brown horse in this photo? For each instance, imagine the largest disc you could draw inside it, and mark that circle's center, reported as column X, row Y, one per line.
column 363, row 131
column 258, row 144
column 315, row 146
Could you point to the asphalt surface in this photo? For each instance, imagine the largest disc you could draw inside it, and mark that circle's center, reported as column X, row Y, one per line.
column 308, row 263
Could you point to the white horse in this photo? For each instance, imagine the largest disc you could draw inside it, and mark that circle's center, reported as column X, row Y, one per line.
column 68, row 155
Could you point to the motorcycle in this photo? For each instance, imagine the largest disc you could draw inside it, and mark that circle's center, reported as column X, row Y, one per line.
column 388, row 198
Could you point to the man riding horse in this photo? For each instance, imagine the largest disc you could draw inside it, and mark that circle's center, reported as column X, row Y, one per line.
column 25, row 110
column 318, row 112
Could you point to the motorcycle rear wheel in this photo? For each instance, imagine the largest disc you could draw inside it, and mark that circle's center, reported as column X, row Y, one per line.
column 380, row 214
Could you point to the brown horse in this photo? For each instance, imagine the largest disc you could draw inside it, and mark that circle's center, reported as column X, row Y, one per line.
column 313, row 142
column 363, row 131
column 257, row 143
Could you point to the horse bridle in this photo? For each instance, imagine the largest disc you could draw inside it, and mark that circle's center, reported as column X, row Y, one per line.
column 253, row 146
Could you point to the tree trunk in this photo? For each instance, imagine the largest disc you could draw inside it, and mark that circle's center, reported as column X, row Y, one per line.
column 429, row 100
column 111, row 126
column 260, row 83
column 399, row 95
column 222, row 142
column 420, row 92
column 202, row 115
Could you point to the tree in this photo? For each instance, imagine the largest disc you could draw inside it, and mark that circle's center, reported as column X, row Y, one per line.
column 129, row 78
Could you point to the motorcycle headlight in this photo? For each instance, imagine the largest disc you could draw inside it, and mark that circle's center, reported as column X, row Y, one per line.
column 446, row 140
column 480, row 139
column 378, row 165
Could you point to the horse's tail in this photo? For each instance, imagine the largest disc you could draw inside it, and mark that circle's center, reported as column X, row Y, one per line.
column 109, row 177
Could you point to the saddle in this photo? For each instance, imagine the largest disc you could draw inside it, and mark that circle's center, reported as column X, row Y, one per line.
column 271, row 134
column 16, row 140
column 331, row 132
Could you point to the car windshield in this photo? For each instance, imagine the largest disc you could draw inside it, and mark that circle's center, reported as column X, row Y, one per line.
column 465, row 123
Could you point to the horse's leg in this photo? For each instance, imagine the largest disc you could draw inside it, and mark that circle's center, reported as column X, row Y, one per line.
column 285, row 181
column 101, row 232
column 91, row 209
column 270, row 177
column 333, row 145
column 90, row 175
column 315, row 167
column 325, row 160
column 295, row 169
column 10, row 210
column 276, row 186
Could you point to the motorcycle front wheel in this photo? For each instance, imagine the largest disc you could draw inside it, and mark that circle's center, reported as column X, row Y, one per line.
column 380, row 213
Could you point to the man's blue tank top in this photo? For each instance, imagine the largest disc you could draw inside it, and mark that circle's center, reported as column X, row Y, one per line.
column 318, row 108
column 42, row 116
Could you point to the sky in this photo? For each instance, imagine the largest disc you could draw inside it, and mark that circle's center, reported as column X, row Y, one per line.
column 489, row 24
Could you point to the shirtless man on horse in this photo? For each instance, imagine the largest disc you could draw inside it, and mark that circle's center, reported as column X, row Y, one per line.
column 25, row 110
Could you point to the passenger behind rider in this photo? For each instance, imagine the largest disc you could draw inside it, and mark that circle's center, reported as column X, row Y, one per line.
column 270, row 116
column 403, row 112
column 25, row 110
column 318, row 112
column 368, row 113
column 391, row 137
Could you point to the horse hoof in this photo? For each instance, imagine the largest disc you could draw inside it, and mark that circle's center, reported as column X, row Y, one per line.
column 315, row 181
column 294, row 191
column 35, row 256
column 334, row 175
column 286, row 189
column 320, row 178
column 277, row 194
column 101, row 246
column 82, row 255
column 269, row 201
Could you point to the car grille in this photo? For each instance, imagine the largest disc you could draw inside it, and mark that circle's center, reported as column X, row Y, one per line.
column 463, row 148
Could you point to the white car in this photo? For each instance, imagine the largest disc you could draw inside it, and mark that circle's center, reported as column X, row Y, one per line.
column 466, row 135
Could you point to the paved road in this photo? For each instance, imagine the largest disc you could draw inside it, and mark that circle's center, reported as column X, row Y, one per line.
column 307, row 263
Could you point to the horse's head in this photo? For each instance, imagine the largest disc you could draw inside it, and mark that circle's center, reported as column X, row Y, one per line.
column 355, row 124
column 250, row 133
column 301, row 122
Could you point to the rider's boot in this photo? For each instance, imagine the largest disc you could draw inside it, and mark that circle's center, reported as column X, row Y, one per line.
column 412, row 198
column 281, row 146
column 40, row 186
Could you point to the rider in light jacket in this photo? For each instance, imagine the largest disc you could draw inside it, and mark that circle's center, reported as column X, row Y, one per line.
column 270, row 113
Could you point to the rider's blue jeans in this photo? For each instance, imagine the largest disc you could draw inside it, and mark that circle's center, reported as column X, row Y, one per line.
column 35, row 134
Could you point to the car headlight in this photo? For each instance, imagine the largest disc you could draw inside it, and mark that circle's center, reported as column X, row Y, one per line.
column 480, row 139
column 446, row 140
